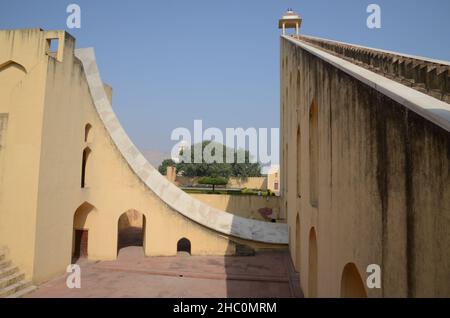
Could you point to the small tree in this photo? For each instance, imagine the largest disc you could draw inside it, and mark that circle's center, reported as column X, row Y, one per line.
column 214, row 181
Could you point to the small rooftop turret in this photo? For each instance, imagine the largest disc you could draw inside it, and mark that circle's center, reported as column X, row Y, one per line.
column 290, row 20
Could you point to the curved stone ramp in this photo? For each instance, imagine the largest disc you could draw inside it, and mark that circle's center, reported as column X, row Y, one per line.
column 217, row 220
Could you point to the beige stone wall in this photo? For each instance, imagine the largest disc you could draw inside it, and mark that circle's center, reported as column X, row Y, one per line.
column 49, row 105
column 246, row 206
column 111, row 187
column 382, row 175
column 23, row 72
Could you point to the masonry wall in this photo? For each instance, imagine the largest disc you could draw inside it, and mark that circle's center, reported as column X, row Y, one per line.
column 382, row 175
column 46, row 108
column 110, row 190
column 246, row 206
column 23, row 69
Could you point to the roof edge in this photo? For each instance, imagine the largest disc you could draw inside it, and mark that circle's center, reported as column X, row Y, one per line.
column 428, row 107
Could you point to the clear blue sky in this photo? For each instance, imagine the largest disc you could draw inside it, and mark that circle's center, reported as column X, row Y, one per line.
column 171, row 62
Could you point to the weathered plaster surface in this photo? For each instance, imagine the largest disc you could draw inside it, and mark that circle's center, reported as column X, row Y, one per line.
column 383, row 177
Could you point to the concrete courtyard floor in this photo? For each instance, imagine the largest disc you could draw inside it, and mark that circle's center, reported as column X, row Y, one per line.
column 267, row 274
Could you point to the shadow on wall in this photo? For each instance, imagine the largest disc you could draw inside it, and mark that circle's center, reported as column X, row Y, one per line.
column 247, row 206
column 312, row 264
column 255, row 207
column 352, row 285
column 442, row 113
column 131, row 230
column 258, row 272
column 184, row 246
column 80, row 238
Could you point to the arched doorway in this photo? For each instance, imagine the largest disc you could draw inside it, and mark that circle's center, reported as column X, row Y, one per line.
column 352, row 285
column 184, row 246
column 312, row 279
column 297, row 243
column 131, row 230
column 81, row 227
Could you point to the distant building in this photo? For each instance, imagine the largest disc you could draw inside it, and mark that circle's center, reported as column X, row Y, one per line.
column 273, row 179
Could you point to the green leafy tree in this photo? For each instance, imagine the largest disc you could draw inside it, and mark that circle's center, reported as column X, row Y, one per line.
column 214, row 181
column 217, row 168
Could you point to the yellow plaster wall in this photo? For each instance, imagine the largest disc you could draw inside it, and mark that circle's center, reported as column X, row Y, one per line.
column 23, row 70
column 246, row 206
column 48, row 108
column 383, row 183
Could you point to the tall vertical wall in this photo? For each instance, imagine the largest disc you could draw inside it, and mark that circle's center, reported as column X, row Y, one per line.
column 383, row 183
column 23, row 70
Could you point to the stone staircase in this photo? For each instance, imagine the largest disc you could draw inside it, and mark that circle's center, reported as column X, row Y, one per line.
column 12, row 281
column 426, row 76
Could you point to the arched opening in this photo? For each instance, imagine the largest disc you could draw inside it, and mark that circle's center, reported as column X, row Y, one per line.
column 299, row 141
column 299, row 153
column 84, row 166
column 313, row 153
column 88, row 133
column 352, row 285
column 11, row 74
column 297, row 243
column 131, row 230
column 184, row 246
column 12, row 64
column 312, row 279
column 81, row 227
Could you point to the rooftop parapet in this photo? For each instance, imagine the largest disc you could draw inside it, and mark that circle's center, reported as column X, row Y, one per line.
column 431, row 77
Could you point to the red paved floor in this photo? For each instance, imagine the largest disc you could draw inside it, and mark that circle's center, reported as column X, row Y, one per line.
column 268, row 274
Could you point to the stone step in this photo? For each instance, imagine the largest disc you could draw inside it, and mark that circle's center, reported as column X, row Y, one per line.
column 7, row 271
column 4, row 264
column 22, row 292
column 14, row 288
column 11, row 279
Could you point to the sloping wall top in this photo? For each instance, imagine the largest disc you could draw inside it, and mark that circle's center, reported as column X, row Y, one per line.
column 220, row 221
column 428, row 107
